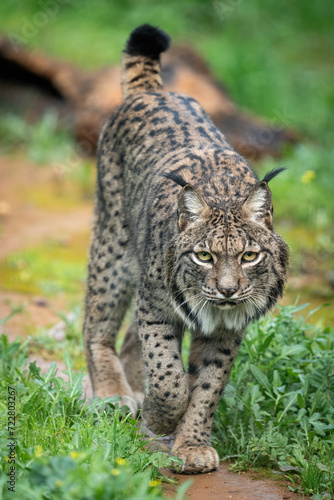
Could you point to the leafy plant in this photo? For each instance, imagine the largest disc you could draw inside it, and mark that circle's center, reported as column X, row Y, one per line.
column 45, row 141
column 278, row 408
column 66, row 449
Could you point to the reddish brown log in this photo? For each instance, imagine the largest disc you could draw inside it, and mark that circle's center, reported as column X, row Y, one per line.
column 31, row 82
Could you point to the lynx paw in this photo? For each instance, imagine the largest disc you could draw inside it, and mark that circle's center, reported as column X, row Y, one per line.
column 125, row 400
column 131, row 403
column 139, row 397
column 197, row 459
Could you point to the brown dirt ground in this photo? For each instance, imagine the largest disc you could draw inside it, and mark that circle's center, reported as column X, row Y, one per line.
column 26, row 224
column 225, row 485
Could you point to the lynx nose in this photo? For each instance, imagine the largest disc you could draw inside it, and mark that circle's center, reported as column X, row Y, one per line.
column 228, row 292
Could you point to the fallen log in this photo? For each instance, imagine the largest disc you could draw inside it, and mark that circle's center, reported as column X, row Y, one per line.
column 31, row 82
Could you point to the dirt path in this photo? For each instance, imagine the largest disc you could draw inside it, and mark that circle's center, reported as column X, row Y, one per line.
column 225, row 485
column 35, row 206
column 29, row 212
column 27, row 221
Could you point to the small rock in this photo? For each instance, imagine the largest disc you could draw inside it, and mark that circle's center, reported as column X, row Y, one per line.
column 330, row 277
column 70, row 316
column 58, row 331
column 325, row 495
column 5, row 208
column 287, row 468
column 64, row 241
column 41, row 302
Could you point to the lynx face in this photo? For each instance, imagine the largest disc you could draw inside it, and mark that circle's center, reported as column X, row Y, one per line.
column 229, row 262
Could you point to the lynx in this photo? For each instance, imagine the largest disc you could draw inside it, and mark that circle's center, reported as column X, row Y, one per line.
column 182, row 225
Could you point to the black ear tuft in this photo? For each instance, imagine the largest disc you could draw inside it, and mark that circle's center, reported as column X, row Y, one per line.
column 147, row 40
column 176, row 178
column 270, row 175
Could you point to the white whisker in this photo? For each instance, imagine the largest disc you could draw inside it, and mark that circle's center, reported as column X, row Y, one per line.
column 199, row 312
column 185, row 289
column 190, row 298
column 193, row 309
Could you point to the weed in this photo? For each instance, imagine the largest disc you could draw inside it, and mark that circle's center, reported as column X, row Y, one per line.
column 67, row 450
column 43, row 141
column 278, row 407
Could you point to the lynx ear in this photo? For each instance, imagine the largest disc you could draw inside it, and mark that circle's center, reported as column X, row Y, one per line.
column 258, row 205
column 191, row 206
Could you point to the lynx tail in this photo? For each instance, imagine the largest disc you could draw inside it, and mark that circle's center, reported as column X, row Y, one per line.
column 141, row 60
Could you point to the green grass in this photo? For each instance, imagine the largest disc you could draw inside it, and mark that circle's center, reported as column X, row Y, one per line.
column 66, row 450
column 277, row 409
column 278, row 406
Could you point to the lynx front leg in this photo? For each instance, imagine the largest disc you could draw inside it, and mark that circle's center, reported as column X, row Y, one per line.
column 210, row 363
column 167, row 395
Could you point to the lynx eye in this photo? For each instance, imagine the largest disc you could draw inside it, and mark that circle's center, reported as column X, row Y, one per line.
column 249, row 256
column 204, row 256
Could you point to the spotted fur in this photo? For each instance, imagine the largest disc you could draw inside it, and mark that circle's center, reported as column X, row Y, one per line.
column 169, row 186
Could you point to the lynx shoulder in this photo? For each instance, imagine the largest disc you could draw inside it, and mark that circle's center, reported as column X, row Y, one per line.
column 184, row 227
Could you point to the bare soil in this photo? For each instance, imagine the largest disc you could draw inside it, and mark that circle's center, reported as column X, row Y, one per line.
column 26, row 221
column 30, row 217
column 225, row 485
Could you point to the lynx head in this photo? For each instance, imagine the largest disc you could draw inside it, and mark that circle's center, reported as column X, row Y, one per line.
column 228, row 266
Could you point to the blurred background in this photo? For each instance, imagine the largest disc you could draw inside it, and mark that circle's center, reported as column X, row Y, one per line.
column 273, row 59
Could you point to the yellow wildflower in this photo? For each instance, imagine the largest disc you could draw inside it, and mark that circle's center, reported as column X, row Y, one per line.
column 75, row 454
column 120, row 461
column 58, row 483
column 115, row 472
column 308, row 176
column 25, row 276
column 38, row 451
column 154, row 483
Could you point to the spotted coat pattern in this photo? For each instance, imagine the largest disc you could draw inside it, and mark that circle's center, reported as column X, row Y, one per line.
column 169, row 186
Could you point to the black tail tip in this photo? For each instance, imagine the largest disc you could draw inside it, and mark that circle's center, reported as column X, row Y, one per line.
column 147, row 40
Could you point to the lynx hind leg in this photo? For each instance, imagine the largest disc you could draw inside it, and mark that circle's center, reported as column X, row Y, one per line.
column 107, row 300
column 109, row 289
column 131, row 358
